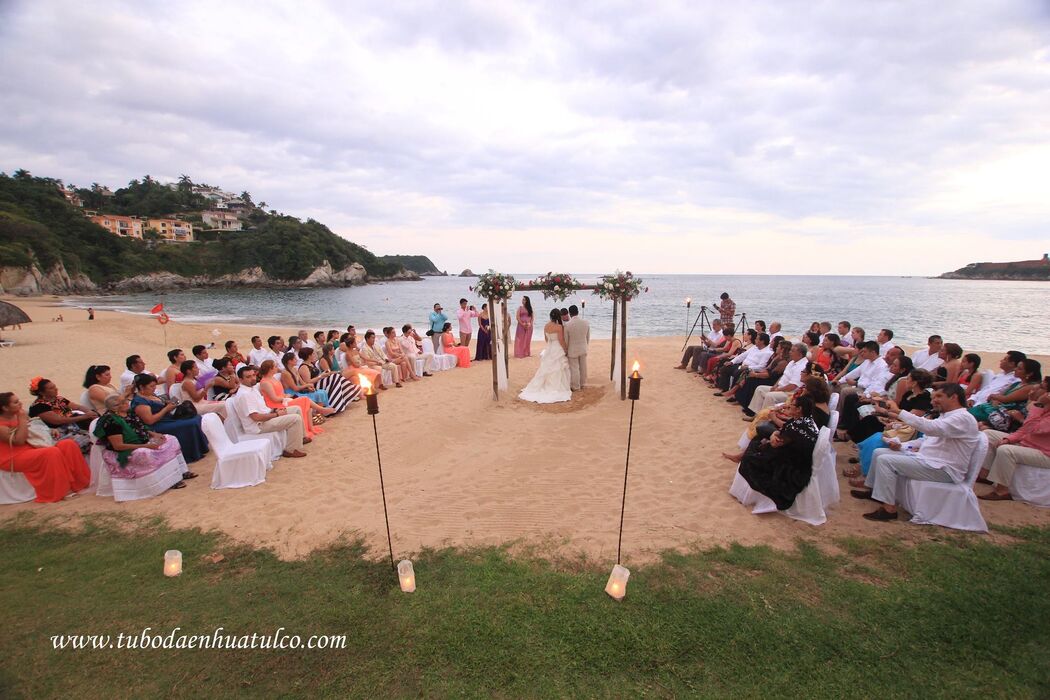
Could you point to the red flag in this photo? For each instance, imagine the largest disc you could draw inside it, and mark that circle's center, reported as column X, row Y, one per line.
column 157, row 309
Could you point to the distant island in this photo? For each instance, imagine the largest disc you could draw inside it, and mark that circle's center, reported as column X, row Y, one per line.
column 150, row 236
column 1024, row 270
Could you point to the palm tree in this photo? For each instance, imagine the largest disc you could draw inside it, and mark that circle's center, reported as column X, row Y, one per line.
column 22, row 174
column 246, row 197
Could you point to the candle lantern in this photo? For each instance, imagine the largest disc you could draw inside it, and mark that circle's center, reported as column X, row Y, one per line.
column 617, row 585
column 406, row 576
column 371, row 398
column 172, row 562
column 635, row 387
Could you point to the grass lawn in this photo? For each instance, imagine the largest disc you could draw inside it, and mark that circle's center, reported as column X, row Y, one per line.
column 955, row 617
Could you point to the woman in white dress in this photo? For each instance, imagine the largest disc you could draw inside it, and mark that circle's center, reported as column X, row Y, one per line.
column 551, row 381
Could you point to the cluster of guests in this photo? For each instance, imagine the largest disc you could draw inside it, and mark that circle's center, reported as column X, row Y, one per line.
column 916, row 416
column 144, row 419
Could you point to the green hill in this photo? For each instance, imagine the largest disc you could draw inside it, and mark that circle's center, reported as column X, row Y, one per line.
column 38, row 225
column 420, row 264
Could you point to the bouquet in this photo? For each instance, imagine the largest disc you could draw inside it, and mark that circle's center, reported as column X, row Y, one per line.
column 620, row 285
column 495, row 285
column 556, row 285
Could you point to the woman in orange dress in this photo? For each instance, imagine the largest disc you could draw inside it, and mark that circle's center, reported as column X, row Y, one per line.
column 462, row 352
column 54, row 472
column 274, row 396
column 355, row 366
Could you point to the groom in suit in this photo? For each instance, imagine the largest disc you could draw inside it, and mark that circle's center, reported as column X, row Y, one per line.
column 577, row 338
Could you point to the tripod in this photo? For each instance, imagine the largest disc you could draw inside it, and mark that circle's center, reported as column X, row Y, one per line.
column 702, row 319
column 742, row 324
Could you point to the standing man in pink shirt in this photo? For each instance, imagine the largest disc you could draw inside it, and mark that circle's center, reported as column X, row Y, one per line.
column 466, row 325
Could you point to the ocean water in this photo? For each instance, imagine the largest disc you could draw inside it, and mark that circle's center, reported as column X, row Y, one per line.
column 979, row 315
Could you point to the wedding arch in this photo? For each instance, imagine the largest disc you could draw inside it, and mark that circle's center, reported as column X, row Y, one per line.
column 620, row 287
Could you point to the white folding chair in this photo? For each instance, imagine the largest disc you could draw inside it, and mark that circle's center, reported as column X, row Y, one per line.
column 948, row 505
column 235, row 430
column 1031, row 485
column 237, row 464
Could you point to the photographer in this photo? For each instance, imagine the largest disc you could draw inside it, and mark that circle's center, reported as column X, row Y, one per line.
column 727, row 310
column 466, row 326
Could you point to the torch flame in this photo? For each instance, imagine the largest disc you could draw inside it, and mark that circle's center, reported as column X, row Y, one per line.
column 636, row 366
column 366, row 386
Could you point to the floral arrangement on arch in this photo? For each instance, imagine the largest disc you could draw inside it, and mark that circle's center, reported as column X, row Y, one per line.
column 556, row 285
column 620, row 285
column 495, row 285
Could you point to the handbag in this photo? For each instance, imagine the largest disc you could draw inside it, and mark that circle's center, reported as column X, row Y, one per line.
column 39, row 434
column 901, row 431
column 186, row 409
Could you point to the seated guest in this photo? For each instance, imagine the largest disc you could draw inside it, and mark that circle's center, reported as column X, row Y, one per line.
column 294, row 385
column 900, row 378
column 715, row 364
column 295, row 344
column 69, row 420
column 998, row 382
column 780, row 468
column 749, row 380
column 751, row 359
column 132, row 450
column 849, row 349
column 256, row 416
column 53, row 472
column 726, row 347
column 856, row 406
column 712, row 338
column 233, row 354
column 844, row 333
column 825, row 354
column 273, row 394
column 930, row 358
column 951, row 363
column 318, row 342
column 376, row 358
column 812, row 342
column 867, row 378
column 824, row 327
column 885, row 341
column 98, row 380
column 943, row 454
column 1007, row 410
column 225, row 383
column 412, row 344
column 356, row 367
column 332, row 341
column 763, row 423
column 199, row 397
column 135, row 366
column 172, row 375
column 917, row 400
column 1028, row 445
column 970, row 373
column 461, row 352
column 326, row 362
column 203, row 362
column 340, row 391
column 304, row 341
column 158, row 415
column 789, row 381
column 259, row 354
column 760, row 327
column 396, row 354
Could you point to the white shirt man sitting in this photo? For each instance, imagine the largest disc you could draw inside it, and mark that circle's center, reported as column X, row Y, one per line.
column 943, row 455
column 259, row 354
column 930, row 358
column 789, row 381
column 885, row 340
column 411, row 343
column 709, row 340
column 869, row 377
column 999, row 382
column 256, row 417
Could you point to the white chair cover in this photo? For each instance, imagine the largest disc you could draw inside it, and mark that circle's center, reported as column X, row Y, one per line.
column 388, row 377
column 833, row 403
column 132, row 489
column 826, row 476
column 808, row 506
column 237, row 464
column 95, row 461
column 948, row 505
column 14, row 487
column 1031, row 485
column 235, row 430
column 420, row 366
column 744, row 440
column 176, row 392
column 85, row 399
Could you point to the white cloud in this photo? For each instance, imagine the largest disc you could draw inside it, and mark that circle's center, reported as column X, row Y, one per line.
column 677, row 137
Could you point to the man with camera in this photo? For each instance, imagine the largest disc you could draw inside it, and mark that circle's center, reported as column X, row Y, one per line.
column 466, row 325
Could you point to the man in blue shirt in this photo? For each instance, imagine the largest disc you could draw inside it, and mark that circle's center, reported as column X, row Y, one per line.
column 437, row 327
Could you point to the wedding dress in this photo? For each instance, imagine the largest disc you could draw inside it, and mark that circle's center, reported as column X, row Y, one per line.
column 551, row 381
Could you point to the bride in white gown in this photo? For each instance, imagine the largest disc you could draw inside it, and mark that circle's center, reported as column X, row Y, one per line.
column 551, row 381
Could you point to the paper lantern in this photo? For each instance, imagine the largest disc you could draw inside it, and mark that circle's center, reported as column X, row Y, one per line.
column 172, row 562
column 617, row 585
column 406, row 576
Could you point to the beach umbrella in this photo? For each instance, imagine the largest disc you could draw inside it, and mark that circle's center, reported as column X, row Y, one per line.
column 11, row 315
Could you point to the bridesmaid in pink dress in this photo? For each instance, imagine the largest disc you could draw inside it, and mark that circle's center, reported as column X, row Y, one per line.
column 523, row 334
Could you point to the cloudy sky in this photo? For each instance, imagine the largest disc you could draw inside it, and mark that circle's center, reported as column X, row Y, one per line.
column 768, row 137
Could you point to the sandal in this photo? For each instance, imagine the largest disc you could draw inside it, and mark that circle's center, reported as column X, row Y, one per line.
column 851, row 473
column 318, row 419
column 858, row 483
column 179, row 485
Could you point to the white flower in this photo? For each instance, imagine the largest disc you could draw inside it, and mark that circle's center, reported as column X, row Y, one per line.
column 556, row 288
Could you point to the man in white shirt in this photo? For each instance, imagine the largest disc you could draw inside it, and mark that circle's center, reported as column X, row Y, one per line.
column 885, row 340
column 845, row 337
column 256, row 417
column 930, row 358
column 203, row 362
column 710, row 339
column 789, row 381
column 998, row 382
column 943, row 455
column 258, row 353
column 411, row 343
column 307, row 340
column 135, row 366
column 755, row 357
column 869, row 377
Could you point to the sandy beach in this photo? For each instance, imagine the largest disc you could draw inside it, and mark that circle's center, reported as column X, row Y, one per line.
column 461, row 469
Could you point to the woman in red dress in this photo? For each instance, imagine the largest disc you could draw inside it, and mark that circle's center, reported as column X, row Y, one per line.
column 54, row 472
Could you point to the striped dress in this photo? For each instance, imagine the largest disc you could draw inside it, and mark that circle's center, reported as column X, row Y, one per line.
column 341, row 392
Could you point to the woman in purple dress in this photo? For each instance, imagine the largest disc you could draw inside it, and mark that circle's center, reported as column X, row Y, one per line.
column 523, row 334
column 484, row 348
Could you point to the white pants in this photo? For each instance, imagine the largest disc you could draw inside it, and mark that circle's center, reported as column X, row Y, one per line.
column 1006, row 458
column 888, row 465
column 577, row 372
column 765, row 397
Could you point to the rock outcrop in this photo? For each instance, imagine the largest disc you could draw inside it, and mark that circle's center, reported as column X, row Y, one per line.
column 31, row 281
column 1027, row 270
column 467, row 273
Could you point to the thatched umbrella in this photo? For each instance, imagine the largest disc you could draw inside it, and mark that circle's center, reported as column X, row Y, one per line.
column 11, row 315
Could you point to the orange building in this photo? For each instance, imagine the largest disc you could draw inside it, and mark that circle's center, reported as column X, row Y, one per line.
column 171, row 229
column 127, row 226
